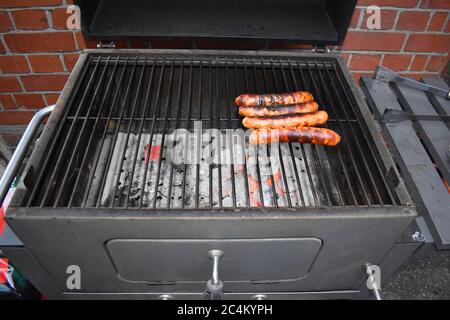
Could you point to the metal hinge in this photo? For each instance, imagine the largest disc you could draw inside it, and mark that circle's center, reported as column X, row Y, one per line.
column 106, row 45
column 320, row 49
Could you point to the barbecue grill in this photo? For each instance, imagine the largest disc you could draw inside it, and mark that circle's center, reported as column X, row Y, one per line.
column 101, row 191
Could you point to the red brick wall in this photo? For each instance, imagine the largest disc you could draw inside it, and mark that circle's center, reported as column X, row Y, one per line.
column 37, row 53
column 414, row 38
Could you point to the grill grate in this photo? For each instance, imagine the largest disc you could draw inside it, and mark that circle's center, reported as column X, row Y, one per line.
column 111, row 146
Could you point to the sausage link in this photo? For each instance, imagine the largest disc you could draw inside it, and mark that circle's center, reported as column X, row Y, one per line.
column 311, row 119
column 273, row 99
column 278, row 111
column 320, row 136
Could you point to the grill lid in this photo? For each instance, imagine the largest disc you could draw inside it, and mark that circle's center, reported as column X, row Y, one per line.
column 317, row 22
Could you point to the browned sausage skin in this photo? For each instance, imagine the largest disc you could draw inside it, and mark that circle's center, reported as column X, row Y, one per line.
column 311, row 119
column 273, row 99
column 320, row 136
column 279, row 110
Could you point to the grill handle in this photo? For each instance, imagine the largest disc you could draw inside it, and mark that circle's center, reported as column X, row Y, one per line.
column 214, row 287
column 21, row 150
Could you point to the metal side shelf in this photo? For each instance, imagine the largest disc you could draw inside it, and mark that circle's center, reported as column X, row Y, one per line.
column 420, row 147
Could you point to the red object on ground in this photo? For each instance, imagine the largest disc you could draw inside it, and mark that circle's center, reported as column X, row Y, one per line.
column 3, row 270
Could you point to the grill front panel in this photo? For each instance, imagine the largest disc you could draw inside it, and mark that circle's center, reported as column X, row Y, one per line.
column 111, row 146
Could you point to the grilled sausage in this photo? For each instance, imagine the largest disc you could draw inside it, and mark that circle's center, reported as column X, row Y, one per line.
column 278, row 111
column 273, row 99
column 311, row 119
column 320, row 136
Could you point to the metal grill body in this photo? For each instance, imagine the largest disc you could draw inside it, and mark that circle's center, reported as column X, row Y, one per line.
column 102, row 172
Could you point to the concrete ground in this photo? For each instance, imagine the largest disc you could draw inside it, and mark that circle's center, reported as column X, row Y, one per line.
column 422, row 278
